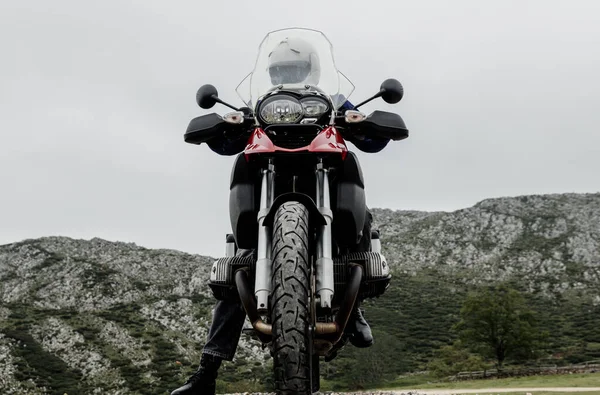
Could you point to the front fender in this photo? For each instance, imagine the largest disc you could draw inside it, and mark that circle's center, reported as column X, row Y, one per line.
column 315, row 215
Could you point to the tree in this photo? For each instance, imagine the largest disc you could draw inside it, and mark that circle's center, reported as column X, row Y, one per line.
column 497, row 323
column 454, row 358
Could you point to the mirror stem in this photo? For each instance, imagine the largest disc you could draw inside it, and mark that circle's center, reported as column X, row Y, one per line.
column 216, row 99
column 375, row 96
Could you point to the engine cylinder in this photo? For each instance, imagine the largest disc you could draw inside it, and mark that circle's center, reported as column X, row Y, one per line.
column 376, row 273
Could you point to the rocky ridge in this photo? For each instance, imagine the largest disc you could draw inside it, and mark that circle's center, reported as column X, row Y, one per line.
column 552, row 241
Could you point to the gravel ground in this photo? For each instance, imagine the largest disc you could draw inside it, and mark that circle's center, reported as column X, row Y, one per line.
column 525, row 391
column 342, row 393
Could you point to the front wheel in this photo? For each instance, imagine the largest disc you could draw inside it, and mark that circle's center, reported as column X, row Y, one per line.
column 290, row 300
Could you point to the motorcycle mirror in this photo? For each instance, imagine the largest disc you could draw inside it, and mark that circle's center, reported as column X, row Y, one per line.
column 391, row 91
column 207, row 96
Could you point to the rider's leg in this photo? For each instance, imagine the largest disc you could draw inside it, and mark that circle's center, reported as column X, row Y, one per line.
column 365, row 241
column 357, row 327
column 223, row 337
column 225, row 330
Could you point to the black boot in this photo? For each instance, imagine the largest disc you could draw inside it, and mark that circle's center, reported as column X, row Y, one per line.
column 359, row 330
column 203, row 382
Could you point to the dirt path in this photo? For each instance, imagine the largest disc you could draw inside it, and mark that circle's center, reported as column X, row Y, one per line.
column 524, row 391
column 500, row 390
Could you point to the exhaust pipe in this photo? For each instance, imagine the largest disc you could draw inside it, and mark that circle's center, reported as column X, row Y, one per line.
column 335, row 328
column 247, row 297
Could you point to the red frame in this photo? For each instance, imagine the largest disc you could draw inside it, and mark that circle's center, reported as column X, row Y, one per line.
column 329, row 140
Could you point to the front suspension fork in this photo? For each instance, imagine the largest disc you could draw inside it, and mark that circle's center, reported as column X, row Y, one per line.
column 324, row 256
column 324, row 250
column 264, row 262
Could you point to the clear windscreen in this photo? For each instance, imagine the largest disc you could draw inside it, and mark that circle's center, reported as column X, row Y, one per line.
column 295, row 59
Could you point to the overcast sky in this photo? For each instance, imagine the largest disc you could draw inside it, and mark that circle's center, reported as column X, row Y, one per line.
column 502, row 99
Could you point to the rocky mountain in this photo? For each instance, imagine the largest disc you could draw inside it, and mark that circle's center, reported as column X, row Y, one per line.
column 552, row 242
column 114, row 316
column 104, row 317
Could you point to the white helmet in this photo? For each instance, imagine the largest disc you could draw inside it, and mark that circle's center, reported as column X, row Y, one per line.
column 294, row 61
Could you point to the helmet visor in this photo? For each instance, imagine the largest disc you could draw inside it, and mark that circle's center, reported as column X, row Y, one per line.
column 291, row 73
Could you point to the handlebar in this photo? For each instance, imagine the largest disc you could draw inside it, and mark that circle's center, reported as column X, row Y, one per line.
column 379, row 124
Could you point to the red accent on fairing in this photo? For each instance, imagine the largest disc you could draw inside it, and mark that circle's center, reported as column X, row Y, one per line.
column 259, row 143
column 329, row 140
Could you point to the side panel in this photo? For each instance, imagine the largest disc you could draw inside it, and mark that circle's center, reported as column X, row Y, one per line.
column 350, row 208
column 242, row 205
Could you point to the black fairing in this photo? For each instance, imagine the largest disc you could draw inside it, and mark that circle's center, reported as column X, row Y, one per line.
column 205, row 127
column 350, row 205
column 382, row 124
column 242, row 204
column 347, row 197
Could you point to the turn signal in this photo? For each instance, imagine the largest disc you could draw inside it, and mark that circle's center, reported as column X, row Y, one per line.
column 236, row 117
column 353, row 116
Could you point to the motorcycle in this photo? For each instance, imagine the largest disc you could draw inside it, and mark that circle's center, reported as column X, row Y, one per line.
column 297, row 199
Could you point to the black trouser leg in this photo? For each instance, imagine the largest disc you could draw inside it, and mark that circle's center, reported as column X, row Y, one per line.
column 226, row 327
column 364, row 244
column 225, row 330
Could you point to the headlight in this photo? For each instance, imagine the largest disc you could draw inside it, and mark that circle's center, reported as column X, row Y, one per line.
column 281, row 109
column 314, row 107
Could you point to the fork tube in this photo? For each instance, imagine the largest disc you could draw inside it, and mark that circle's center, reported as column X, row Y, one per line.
column 262, row 283
column 324, row 254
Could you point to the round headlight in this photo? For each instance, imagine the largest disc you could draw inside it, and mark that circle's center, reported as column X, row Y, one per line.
column 314, row 107
column 281, row 109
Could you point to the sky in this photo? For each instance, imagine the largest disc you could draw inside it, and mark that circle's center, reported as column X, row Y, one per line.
column 502, row 98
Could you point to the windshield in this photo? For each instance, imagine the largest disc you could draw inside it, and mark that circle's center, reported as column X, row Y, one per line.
column 295, row 59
